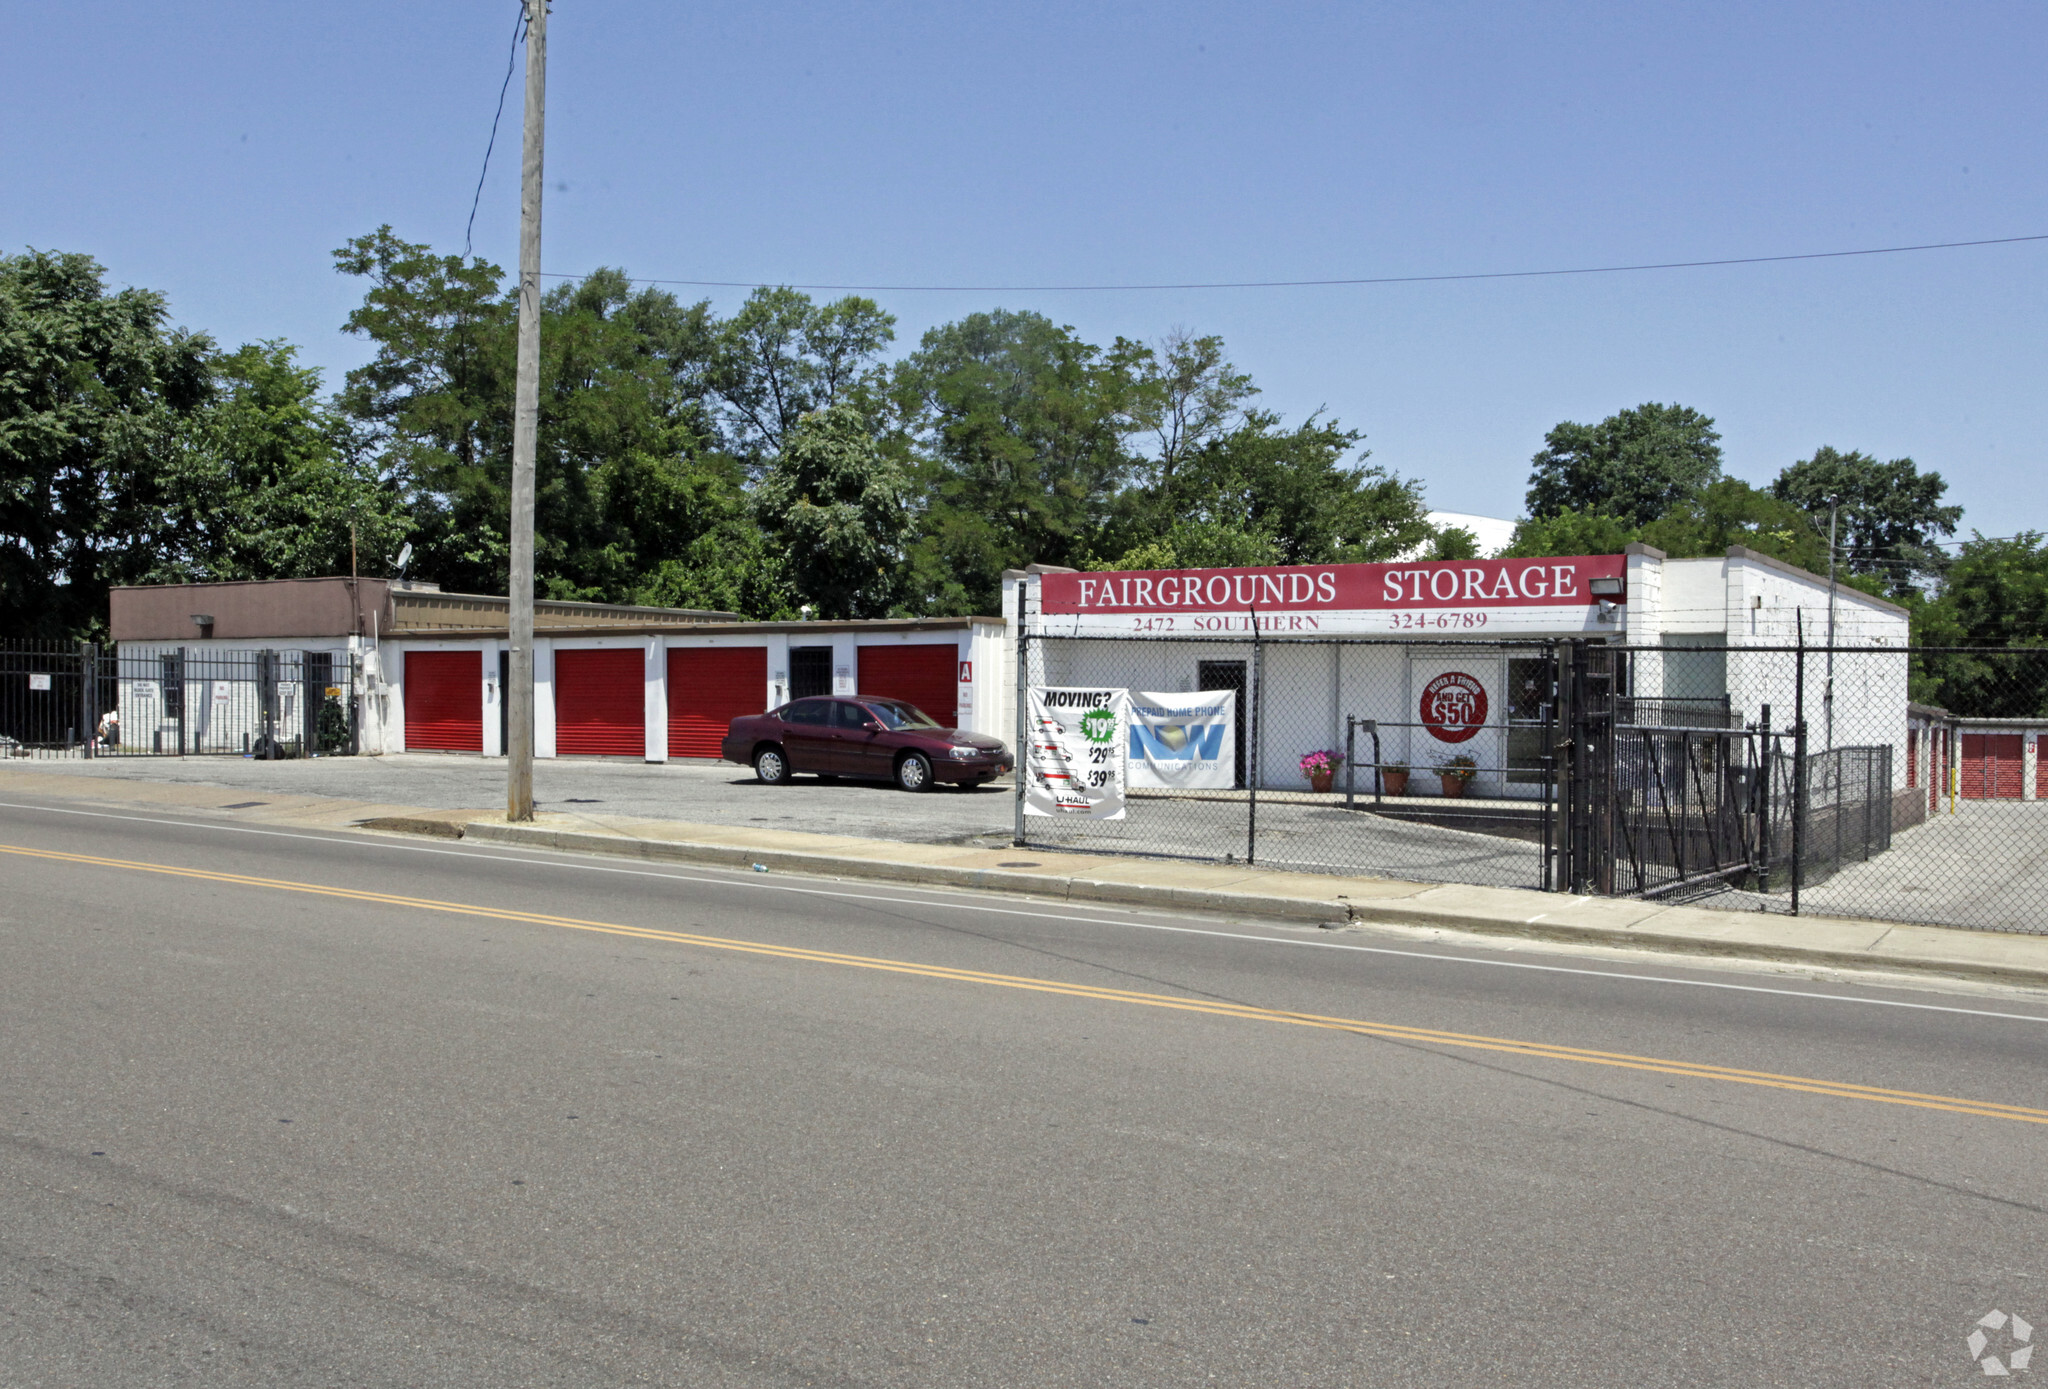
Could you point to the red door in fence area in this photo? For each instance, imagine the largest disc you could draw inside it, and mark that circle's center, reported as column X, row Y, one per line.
column 925, row 675
column 601, row 702
column 1991, row 766
column 709, row 687
column 444, row 701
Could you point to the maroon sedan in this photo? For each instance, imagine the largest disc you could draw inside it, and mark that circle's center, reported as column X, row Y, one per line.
column 879, row 739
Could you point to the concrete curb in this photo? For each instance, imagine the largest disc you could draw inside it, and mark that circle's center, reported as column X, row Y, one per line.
column 919, row 874
column 1327, row 913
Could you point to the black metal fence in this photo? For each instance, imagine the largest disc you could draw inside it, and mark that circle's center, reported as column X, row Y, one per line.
column 63, row 700
column 1788, row 779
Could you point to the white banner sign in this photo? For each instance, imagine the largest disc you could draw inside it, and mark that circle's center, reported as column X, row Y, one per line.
column 1186, row 741
column 1073, row 759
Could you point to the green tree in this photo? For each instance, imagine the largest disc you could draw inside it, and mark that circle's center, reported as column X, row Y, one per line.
column 1889, row 514
column 1020, row 426
column 1570, row 532
column 1635, row 465
column 1295, row 488
column 1452, row 543
column 1731, row 512
column 97, row 391
column 781, row 357
column 839, row 509
column 1995, row 593
column 267, row 483
column 628, row 475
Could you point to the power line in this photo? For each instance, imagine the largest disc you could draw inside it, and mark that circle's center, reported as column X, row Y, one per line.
column 1316, row 284
column 511, row 58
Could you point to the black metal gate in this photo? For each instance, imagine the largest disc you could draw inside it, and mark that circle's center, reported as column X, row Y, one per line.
column 76, row 700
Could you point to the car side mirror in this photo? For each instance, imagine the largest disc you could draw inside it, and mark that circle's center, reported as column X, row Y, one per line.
column 873, row 725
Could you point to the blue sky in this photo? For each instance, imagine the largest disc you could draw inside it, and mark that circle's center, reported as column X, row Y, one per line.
column 219, row 152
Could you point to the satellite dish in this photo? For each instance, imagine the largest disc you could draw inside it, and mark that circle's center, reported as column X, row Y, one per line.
column 404, row 556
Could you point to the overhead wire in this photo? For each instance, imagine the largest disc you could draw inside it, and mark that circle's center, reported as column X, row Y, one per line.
column 1318, row 284
column 511, row 61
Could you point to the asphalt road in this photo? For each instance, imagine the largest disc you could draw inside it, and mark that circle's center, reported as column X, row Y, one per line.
column 338, row 1110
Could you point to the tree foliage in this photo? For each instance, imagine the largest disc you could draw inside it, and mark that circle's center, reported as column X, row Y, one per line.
column 839, row 506
column 97, row 392
column 1635, row 465
column 1995, row 593
column 1889, row 515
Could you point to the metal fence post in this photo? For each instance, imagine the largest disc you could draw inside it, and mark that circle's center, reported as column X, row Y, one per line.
column 1023, row 748
column 184, row 699
column 1251, row 846
column 1350, row 761
column 1798, row 760
column 88, row 701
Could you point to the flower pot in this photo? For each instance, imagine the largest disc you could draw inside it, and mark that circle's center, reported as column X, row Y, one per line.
column 1320, row 781
column 1396, row 783
column 1453, row 785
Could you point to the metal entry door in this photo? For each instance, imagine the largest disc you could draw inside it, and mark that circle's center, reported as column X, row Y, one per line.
column 810, row 671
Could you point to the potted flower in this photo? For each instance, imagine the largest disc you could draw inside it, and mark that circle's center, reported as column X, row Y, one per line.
column 1321, row 768
column 1394, row 777
column 1456, row 773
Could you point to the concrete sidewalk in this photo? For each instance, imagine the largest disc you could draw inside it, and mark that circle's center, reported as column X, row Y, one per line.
column 1234, row 890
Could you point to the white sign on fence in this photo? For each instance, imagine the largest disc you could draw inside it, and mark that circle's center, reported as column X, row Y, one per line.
column 1184, row 741
column 1074, row 757
column 38, row 681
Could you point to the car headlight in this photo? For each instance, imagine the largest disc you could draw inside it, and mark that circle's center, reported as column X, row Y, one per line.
column 965, row 754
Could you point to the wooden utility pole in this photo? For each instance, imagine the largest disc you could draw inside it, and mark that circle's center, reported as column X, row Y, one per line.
column 518, row 691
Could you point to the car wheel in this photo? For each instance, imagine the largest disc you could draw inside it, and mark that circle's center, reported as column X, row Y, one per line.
column 771, row 766
column 914, row 772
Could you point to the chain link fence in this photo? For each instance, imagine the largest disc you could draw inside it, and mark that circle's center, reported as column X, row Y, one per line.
column 1895, row 783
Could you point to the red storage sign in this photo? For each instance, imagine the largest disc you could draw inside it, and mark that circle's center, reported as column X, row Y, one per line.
column 1468, row 596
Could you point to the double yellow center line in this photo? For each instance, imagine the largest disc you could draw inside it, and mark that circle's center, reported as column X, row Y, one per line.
column 1390, row 1031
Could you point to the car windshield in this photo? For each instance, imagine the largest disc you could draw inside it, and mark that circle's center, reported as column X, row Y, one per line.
column 894, row 715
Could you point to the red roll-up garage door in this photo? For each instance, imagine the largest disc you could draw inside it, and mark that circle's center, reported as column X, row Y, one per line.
column 709, row 687
column 601, row 703
column 927, row 676
column 1991, row 766
column 444, row 701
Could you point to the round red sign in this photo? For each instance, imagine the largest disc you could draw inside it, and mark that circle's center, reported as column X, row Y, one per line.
column 1453, row 706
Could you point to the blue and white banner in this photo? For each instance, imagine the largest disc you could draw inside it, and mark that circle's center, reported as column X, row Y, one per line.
column 1184, row 741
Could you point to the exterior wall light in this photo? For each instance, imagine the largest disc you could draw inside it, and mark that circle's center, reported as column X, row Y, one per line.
column 1605, row 588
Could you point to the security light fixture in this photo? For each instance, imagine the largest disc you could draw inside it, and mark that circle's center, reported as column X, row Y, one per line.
column 1605, row 588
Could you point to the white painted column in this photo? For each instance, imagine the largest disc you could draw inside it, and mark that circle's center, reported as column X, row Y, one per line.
column 493, row 743
column 2030, row 762
column 657, row 699
column 543, row 697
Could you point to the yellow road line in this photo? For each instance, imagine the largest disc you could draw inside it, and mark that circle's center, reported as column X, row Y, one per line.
column 1390, row 1031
